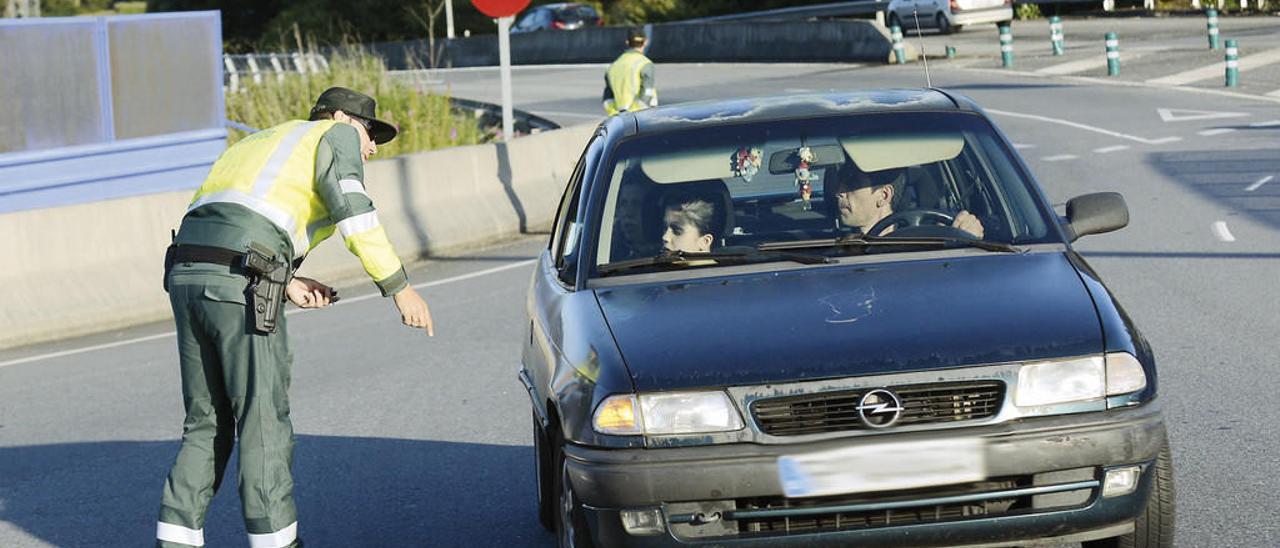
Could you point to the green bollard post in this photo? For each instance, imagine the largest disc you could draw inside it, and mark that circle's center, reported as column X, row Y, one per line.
column 898, row 53
column 1233, row 64
column 1055, row 34
column 1006, row 47
column 951, row 52
column 1113, row 54
column 1213, row 28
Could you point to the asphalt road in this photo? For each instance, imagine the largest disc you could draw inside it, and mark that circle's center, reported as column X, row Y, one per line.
column 405, row 440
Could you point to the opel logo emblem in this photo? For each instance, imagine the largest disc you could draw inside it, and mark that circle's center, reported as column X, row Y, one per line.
column 879, row 408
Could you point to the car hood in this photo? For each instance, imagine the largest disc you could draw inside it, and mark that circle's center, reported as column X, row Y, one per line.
column 851, row 320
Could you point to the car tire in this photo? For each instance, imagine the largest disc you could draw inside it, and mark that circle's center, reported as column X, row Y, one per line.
column 943, row 24
column 544, row 475
column 571, row 528
column 1154, row 526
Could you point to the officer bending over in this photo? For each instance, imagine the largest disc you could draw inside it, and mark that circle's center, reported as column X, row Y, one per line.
column 268, row 200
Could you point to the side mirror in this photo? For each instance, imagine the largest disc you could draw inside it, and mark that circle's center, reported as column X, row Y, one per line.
column 1096, row 213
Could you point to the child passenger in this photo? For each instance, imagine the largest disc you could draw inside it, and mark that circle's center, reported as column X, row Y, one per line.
column 687, row 221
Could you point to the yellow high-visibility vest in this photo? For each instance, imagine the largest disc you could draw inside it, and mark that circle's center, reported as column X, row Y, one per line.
column 272, row 173
column 624, row 80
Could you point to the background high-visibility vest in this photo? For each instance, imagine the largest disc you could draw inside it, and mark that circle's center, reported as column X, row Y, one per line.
column 624, row 81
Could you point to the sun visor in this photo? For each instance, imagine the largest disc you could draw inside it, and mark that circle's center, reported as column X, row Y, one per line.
column 689, row 165
column 880, row 152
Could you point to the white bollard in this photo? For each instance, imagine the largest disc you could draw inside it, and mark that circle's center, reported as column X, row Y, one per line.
column 253, row 68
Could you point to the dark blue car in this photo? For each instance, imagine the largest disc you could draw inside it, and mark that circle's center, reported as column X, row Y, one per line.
column 842, row 319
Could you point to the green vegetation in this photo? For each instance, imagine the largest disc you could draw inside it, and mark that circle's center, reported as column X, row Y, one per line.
column 1027, row 11
column 56, row 8
column 425, row 120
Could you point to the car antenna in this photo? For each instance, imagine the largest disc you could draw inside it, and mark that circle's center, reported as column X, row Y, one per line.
column 928, row 82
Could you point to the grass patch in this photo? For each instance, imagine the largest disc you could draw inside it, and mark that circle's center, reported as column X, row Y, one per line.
column 425, row 119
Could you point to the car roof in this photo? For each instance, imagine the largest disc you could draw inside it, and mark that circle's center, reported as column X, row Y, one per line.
column 787, row 107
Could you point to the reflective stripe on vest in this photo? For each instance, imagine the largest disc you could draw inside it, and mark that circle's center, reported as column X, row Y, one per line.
column 624, row 80
column 272, row 173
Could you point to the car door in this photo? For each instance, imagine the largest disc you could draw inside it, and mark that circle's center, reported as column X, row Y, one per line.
column 555, row 280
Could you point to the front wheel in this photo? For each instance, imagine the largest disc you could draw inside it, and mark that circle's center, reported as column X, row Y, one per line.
column 943, row 24
column 1154, row 526
column 571, row 528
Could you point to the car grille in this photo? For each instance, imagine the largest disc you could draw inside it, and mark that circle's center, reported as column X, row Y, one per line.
column 925, row 513
column 836, row 411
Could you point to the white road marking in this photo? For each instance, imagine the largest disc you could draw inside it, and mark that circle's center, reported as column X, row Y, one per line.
column 1021, row 146
column 1059, row 157
column 1185, row 114
column 1215, row 70
column 1275, row 93
column 1085, row 127
column 1220, row 230
column 1106, row 150
column 1269, row 123
column 1259, row 183
column 1098, row 62
column 797, row 90
column 565, row 113
column 105, row 346
column 1215, row 131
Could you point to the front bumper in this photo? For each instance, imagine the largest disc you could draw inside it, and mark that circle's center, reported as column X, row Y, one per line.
column 1034, row 455
column 982, row 15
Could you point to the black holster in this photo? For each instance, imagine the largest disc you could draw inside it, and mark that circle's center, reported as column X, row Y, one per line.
column 268, row 276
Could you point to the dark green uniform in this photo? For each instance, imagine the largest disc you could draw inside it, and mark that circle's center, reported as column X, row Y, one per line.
column 235, row 380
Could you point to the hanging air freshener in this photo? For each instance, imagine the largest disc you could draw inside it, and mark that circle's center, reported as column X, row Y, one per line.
column 745, row 163
column 804, row 177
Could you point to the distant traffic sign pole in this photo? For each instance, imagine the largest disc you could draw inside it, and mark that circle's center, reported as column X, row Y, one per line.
column 504, row 11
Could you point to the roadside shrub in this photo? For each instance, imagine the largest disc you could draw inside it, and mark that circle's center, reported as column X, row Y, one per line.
column 1027, row 11
column 425, row 119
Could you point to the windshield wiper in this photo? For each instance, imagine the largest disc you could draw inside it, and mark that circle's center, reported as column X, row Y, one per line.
column 856, row 240
column 687, row 258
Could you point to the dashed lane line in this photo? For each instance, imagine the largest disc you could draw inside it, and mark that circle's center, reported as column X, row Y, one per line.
column 1220, row 230
column 1268, row 123
column 1215, row 131
column 1275, row 93
column 1085, row 127
column 1110, row 149
column 1248, row 62
column 1023, row 146
column 146, row 338
column 1257, row 184
column 1059, row 157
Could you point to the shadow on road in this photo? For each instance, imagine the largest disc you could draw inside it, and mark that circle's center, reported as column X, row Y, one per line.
column 1225, row 176
column 350, row 492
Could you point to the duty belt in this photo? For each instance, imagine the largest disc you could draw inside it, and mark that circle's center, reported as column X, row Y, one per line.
column 267, row 276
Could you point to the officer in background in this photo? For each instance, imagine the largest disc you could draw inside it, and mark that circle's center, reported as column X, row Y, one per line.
column 268, row 200
column 629, row 85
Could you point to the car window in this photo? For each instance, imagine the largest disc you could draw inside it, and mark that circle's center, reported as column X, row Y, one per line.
column 745, row 185
column 567, row 232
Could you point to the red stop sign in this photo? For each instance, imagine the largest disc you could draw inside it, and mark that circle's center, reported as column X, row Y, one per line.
column 500, row 8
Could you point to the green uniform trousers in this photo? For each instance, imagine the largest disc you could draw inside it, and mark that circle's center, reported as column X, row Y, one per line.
column 235, row 385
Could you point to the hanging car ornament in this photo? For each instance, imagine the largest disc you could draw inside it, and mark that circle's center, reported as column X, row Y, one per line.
column 804, row 177
column 745, row 163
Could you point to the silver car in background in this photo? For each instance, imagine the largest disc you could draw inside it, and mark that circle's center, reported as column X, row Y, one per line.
column 949, row 15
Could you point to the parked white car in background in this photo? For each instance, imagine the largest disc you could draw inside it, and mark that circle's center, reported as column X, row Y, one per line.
column 948, row 15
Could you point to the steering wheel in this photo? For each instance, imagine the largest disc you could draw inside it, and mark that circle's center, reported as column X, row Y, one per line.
column 912, row 217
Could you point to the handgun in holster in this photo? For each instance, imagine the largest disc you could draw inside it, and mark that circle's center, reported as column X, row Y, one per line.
column 268, row 277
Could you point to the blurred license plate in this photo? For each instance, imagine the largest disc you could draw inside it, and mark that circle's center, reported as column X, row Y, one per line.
column 882, row 467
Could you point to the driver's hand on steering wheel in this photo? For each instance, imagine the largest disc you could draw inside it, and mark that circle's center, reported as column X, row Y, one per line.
column 968, row 222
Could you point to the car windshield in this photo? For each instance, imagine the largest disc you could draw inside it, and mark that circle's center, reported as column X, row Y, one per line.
column 868, row 183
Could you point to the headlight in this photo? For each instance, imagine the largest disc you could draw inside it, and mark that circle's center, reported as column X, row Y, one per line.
column 667, row 413
column 1060, row 382
column 1124, row 374
column 688, row 413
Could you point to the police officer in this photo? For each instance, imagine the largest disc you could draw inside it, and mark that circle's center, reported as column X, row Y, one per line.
column 268, row 200
column 628, row 84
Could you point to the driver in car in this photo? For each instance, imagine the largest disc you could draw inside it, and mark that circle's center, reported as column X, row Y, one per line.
column 865, row 199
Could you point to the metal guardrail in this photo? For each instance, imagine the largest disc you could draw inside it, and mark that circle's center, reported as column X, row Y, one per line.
column 257, row 66
column 834, row 9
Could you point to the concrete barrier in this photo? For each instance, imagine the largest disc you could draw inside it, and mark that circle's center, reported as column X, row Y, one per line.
column 819, row 41
column 94, row 267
